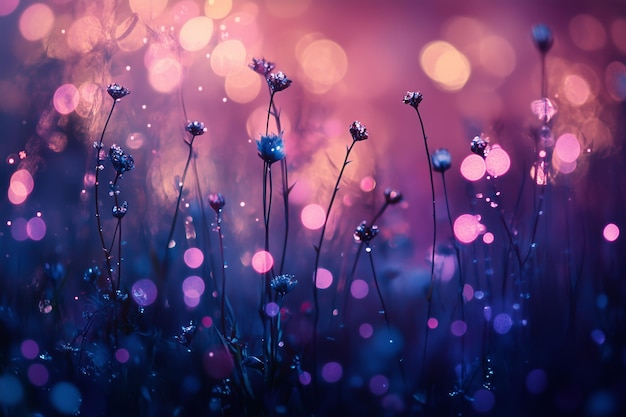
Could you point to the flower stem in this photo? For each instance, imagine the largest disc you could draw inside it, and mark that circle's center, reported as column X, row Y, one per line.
column 223, row 268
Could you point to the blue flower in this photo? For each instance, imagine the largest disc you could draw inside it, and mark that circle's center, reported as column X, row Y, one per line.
column 413, row 98
column 441, row 160
column 283, row 284
column 271, row 148
column 117, row 91
column 121, row 161
column 278, row 81
column 542, row 37
column 195, row 128
column 365, row 233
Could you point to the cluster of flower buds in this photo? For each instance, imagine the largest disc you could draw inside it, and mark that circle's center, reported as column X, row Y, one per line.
column 277, row 81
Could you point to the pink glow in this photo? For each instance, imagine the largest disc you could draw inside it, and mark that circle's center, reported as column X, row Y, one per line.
column 473, row 167
column 21, row 185
column 611, row 232
column 366, row 330
column 313, row 216
column 324, row 278
column 122, row 355
column 36, row 228
column 30, row 349
column 193, row 287
column 272, row 309
column 66, row 98
column 196, row 33
column 433, row 323
column 468, row 292
column 466, row 228
column 18, row 229
column 193, row 257
column 144, row 292
column 36, row 21
column 8, row 6
column 262, row 261
column 458, row 328
column 497, row 161
column 488, row 238
column 332, row 372
column 368, row 184
column 567, row 148
column 305, row 378
column 207, row 321
column 359, row 289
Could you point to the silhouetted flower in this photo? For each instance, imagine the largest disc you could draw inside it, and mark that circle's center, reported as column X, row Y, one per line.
column 480, row 145
column 195, row 128
column 441, row 160
column 121, row 161
column 358, row 131
column 392, row 196
column 271, row 148
column 283, row 284
column 261, row 66
column 120, row 211
column 542, row 37
column 413, row 98
column 365, row 233
column 117, row 91
column 278, row 81
column 217, row 202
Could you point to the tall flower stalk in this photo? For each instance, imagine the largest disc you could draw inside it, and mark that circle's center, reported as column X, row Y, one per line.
column 116, row 92
column 359, row 133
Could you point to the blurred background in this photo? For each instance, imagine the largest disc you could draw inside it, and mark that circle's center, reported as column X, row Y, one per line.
column 528, row 298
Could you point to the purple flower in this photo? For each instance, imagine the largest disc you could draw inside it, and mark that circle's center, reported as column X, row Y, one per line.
column 441, row 160
column 364, row 232
column 480, row 145
column 195, row 128
column 283, row 284
column 261, row 66
column 278, row 81
column 120, row 211
column 217, row 202
column 271, row 148
column 358, row 131
column 117, row 91
column 413, row 98
column 542, row 37
column 122, row 162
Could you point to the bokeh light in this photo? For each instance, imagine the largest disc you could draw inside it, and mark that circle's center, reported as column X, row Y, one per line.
column 432, row 323
column 502, row 323
column 366, row 330
column 587, row 32
column 610, row 232
column 20, row 186
column 484, row 401
column 618, row 33
column 122, row 355
column 473, row 167
column 324, row 63
column 18, row 229
column 497, row 56
column 243, row 86
column 332, row 372
column 36, row 228
column 272, row 309
column 8, row 6
column 147, row 10
column 287, row 8
column 445, row 65
column 218, row 362
column 536, row 381
column 324, row 278
column 193, row 287
column 66, row 98
column 30, row 349
column 497, row 161
column 367, row 184
column 567, row 148
column 36, row 21
column 379, row 384
column 38, row 374
column 488, row 238
column 467, row 227
column 196, row 33
column 598, row 336
column 66, row 398
column 262, row 261
column 313, row 216
column 458, row 328
column 359, row 289
column 193, row 257
column 84, row 34
column 11, row 390
column 217, row 9
column 305, row 378
column 228, row 56
column 144, row 292
column 615, row 80
column 576, row 89
column 130, row 34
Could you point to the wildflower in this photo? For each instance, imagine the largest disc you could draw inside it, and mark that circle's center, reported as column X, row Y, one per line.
column 358, row 131
column 120, row 211
column 392, row 196
column 441, row 160
column 283, row 284
column 121, row 161
column 365, row 233
column 217, row 202
column 271, row 148
column 480, row 145
column 117, row 91
column 413, row 98
column 185, row 337
column 543, row 38
column 195, row 128
column 278, row 81
column 261, row 66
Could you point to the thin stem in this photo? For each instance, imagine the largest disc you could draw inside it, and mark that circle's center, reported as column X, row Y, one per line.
column 269, row 113
column 368, row 249
column 107, row 256
column 223, row 268
column 285, row 183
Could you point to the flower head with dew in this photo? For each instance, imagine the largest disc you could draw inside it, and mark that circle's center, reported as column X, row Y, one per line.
column 283, row 284
column 358, row 131
column 195, row 128
column 217, row 202
column 122, row 162
column 365, row 233
column 278, row 81
column 120, row 211
column 542, row 37
column 413, row 98
column 185, row 337
column 271, row 148
column 480, row 145
column 392, row 196
column 117, row 91
column 261, row 66
column 441, row 160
